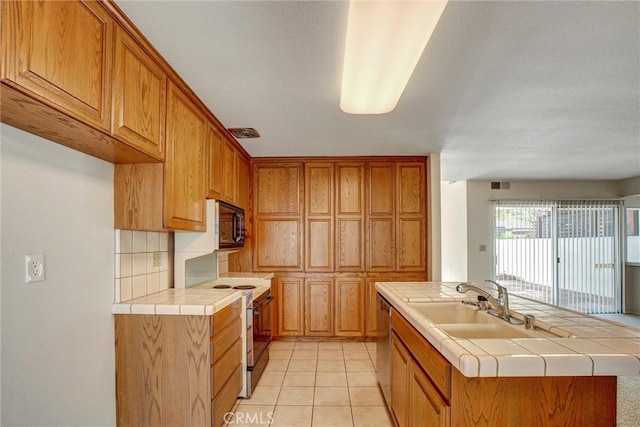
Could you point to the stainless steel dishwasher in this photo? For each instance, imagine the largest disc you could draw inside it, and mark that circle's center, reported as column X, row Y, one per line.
column 383, row 347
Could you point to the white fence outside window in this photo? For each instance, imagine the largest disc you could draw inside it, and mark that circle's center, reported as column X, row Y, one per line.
column 565, row 253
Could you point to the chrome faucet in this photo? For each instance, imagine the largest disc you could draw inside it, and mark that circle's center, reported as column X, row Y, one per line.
column 500, row 303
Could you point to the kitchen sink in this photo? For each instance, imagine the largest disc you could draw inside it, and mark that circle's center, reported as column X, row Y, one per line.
column 451, row 312
column 493, row 330
column 466, row 321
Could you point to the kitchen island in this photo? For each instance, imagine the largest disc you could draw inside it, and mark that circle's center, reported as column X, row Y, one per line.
column 563, row 373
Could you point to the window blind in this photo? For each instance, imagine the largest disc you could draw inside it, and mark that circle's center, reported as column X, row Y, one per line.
column 565, row 253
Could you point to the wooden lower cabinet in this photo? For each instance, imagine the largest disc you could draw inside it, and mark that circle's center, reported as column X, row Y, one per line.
column 349, row 306
column 318, row 320
column 289, row 294
column 320, row 305
column 426, row 390
column 415, row 401
column 177, row 370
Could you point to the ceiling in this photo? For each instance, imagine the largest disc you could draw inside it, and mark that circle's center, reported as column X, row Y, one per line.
column 504, row 90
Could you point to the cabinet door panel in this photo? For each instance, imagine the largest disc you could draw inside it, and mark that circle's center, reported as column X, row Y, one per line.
column 65, row 56
column 214, row 157
column 380, row 246
column 349, row 307
column 411, row 256
column 426, row 405
column 349, row 183
column 229, row 172
column 290, row 300
column 277, row 241
column 349, row 255
column 279, row 191
column 380, row 188
column 319, row 251
column 319, row 192
column 318, row 313
column 411, row 188
column 400, row 364
column 139, row 97
column 184, row 165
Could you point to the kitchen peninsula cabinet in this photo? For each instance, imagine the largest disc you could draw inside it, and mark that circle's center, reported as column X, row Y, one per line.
column 426, row 389
column 178, row 369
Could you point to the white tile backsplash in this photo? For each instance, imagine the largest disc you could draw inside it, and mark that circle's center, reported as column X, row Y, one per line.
column 135, row 273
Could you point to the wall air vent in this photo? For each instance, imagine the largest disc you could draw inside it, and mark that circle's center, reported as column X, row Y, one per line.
column 500, row 185
column 242, row 133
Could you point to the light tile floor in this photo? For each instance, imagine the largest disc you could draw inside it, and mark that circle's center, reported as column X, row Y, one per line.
column 316, row 384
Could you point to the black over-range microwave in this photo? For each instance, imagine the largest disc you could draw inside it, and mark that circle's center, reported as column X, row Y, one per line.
column 231, row 223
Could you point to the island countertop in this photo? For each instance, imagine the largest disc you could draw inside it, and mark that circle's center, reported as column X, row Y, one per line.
column 585, row 346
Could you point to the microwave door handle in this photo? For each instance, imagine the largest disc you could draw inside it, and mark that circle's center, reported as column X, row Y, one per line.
column 237, row 227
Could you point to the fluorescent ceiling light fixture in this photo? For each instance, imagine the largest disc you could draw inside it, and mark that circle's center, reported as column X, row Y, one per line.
column 385, row 40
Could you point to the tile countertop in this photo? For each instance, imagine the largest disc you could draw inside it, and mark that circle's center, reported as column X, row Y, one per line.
column 198, row 300
column 592, row 347
column 203, row 302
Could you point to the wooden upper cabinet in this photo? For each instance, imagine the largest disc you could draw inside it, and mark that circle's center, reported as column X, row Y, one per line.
column 244, row 181
column 380, row 188
column 380, row 219
column 184, row 164
column 278, row 244
column 229, row 172
column 349, row 254
column 279, row 189
column 65, row 56
column 349, row 180
column 319, row 190
column 411, row 182
column 411, row 217
column 214, row 158
column 139, row 97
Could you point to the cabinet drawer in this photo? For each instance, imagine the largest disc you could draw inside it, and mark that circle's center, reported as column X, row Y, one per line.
column 429, row 359
column 225, row 316
column 228, row 395
column 224, row 367
column 224, row 339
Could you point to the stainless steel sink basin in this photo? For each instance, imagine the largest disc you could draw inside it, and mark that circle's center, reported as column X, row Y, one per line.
column 465, row 321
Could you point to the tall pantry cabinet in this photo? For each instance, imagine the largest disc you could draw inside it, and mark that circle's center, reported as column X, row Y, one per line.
column 332, row 227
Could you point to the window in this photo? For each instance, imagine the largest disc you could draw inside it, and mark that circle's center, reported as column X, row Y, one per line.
column 565, row 253
column 633, row 235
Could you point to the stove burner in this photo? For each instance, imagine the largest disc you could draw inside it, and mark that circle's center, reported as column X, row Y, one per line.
column 221, row 287
column 244, row 287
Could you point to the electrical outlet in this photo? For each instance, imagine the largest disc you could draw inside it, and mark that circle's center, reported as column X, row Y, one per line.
column 157, row 260
column 34, row 268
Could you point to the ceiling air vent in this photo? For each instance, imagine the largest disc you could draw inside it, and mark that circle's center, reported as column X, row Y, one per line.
column 244, row 132
column 500, row 185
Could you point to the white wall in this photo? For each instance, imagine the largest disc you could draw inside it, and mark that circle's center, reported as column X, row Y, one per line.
column 57, row 335
column 479, row 212
column 454, row 231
